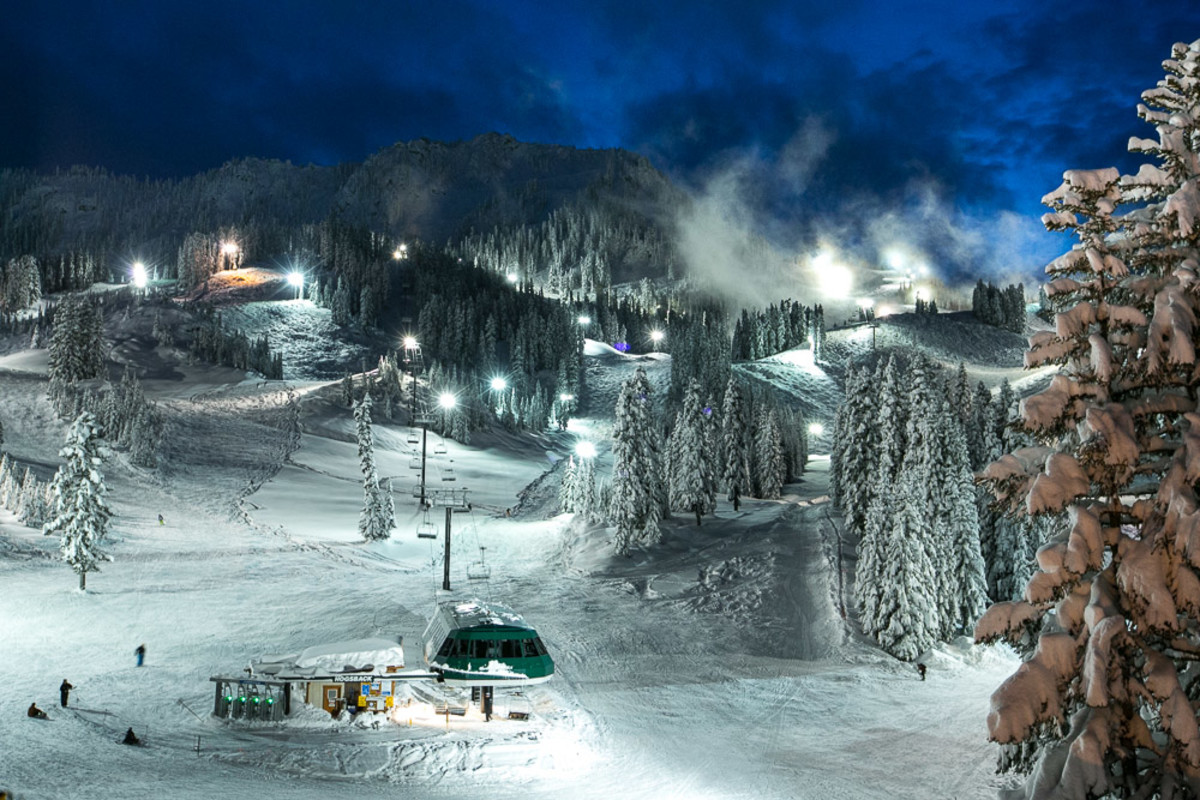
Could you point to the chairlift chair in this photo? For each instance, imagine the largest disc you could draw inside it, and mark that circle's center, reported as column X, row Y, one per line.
column 425, row 529
column 478, row 570
column 414, row 462
column 439, row 449
column 448, row 474
column 413, row 436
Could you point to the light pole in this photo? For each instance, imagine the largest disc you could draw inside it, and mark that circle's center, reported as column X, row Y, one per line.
column 296, row 278
column 230, row 252
column 137, row 274
column 498, row 385
column 446, row 401
column 656, row 336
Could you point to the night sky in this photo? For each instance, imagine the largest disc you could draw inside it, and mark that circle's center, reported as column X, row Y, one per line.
column 955, row 116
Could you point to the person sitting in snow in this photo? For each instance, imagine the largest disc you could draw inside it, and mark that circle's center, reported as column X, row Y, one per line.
column 35, row 712
column 131, row 737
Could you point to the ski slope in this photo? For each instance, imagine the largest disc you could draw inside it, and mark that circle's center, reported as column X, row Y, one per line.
column 717, row 666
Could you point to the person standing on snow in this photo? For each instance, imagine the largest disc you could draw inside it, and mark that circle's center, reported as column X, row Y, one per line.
column 921, row 670
column 140, row 653
column 64, row 692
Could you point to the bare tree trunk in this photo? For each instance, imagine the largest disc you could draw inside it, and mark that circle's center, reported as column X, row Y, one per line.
column 83, row 581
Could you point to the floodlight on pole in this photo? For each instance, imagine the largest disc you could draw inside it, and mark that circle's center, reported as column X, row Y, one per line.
column 512, row 277
column 137, row 274
column 296, row 278
column 447, row 400
column 585, row 449
column 584, row 319
column 410, row 343
column 499, row 384
column 816, row 429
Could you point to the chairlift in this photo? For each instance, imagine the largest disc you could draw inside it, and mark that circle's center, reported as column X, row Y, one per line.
column 448, row 474
column 425, row 529
column 439, row 449
column 414, row 462
column 413, row 436
column 478, row 570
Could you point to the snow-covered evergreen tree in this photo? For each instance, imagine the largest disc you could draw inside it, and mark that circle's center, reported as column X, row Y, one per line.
column 378, row 517
column 637, row 483
column 1103, row 707
column 855, row 450
column 691, row 465
column 735, row 476
column 770, row 465
column 963, row 596
column 81, row 515
column 568, row 490
column 905, row 615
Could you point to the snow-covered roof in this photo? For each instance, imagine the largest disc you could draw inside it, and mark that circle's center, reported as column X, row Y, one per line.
column 474, row 613
column 354, row 655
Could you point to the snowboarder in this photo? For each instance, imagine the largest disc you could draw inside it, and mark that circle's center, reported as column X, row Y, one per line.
column 921, row 670
column 131, row 738
column 64, row 692
column 160, row 520
column 141, row 654
column 35, row 712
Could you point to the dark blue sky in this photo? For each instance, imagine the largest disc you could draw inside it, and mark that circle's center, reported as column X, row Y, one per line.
column 893, row 109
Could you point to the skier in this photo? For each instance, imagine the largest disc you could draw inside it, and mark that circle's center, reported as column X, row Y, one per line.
column 36, row 713
column 921, row 670
column 140, row 653
column 160, row 520
column 64, row 692
column 131, row 738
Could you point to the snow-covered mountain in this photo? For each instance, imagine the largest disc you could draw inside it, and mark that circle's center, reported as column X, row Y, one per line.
column 426, row 190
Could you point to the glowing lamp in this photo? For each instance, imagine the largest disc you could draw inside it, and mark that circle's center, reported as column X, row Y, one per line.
column 138, row 274
column 585, row 450
column 816, row 429
column 512, row 277
column 499, row 384
column 410, row 343
column 447, row 400
column 585, row 320
column 295, row 278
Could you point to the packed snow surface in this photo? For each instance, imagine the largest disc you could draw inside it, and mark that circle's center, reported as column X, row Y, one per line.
column 718, row 665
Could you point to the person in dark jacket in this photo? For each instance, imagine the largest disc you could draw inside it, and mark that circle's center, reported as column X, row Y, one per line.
column 64, row 692
column 921, row 670
column 130, row 738
column 35, row 712
column 140, row 653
